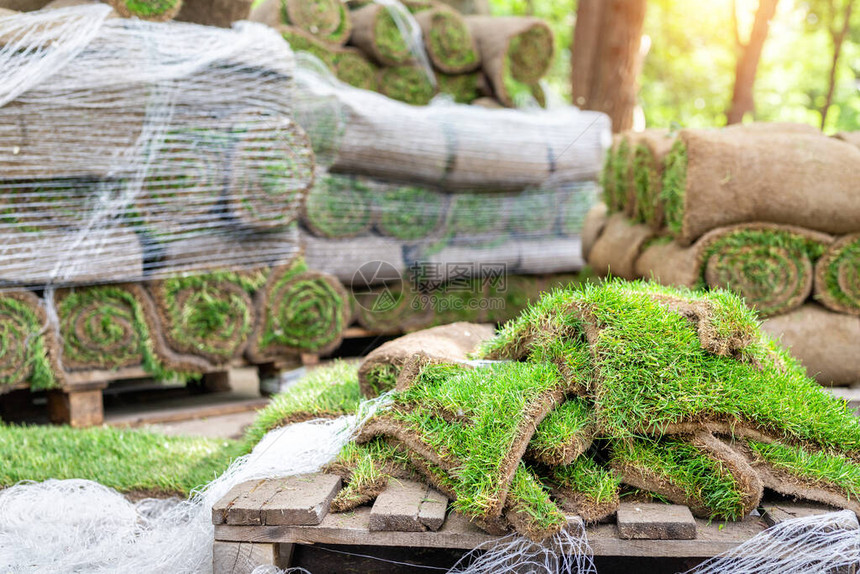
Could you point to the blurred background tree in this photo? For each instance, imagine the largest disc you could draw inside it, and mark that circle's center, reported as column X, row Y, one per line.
column 691, row 55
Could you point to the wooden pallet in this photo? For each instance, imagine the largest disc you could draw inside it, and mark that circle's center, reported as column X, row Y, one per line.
column 260, row 523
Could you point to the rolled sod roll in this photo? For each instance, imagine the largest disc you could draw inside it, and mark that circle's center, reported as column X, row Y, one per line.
column 824, row 342
column 408, row 84
column 104, row 327
column 351, row 67
column 463, row 88
column 298, row 311
column 550, row 255
column 221, row 250
column 849, row 137
column 715, row 178
column 327, row 20
column 649, row 156
column 592, row 228
column 338, row 207
column 151, row 10
column 209, row 316
column 616, row 250
column 303, row 41
column 221, row 13
column 448, row 41
column 467, row 259
column 837, row 276
column 409, row 213
column 391, row 309
column 65, row 257
column 533, row 213
column 375, row 32
column 271, row 171
column 28, row 348
column 770, row 266
column 514, row 50
column 448, row 343
column 381, row 258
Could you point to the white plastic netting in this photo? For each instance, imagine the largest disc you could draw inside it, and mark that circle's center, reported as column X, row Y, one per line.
column 135, row 150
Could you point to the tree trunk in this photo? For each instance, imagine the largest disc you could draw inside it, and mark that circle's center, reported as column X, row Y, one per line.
column 605, row 62
column 748, row 59
column 838, row 40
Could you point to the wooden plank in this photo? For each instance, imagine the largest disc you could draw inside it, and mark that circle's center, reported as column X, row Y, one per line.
column 776, row 513
column 217, row 382
column 247, row 508
column 301, row 500
column 433, row 509
column 104, row 376
column 219, row 509
column 358, row 333
column 77, row 409
column 188, row 413
column 242, row 557
column 654, row 521
column 310, row 359
column 398, row 506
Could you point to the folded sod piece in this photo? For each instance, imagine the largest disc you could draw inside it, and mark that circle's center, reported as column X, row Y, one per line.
column 28, row 349
column 298, row 311
column 105, row 327
column 410, row 84
column 565, row 434
column 514, row 51
column 271, row 170
column 821, row 476
column 337, row 207
column 837, row 276
column 475, row 424
column 326, row 20
column 326, row 392
column 376, row 32
column 151, row 10
column 770, row 266
column 649, row 157
column 463, row 88
column 447, row 343
column 697, row 471
column 204, row 321
column 448, row 41
column 823, row 340
column 584, row 487
column 715, row 178
column 392, row 308
column 409, row 213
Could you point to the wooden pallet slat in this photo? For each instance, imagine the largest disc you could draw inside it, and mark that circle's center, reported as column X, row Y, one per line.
column 301, row 500
column 399, row 507
column 219, row 509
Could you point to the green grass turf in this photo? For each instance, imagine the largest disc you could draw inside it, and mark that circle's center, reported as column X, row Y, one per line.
column 390, row 43
column 651, row 369
column 530, row 498
column 23, row 351
column 325, row 392
column 409, row 213
column 127, row 460
column 450, row 40
column 823, row 467
column 702, row 479
column 368, row 468
column 149, row 8
column 382, row 378
column 607, row 179
column 409, row 84
column 586, row 476
column 462, row 87
column 567, row 424
column 620, row 172
column 338, row 206
column 644, row 184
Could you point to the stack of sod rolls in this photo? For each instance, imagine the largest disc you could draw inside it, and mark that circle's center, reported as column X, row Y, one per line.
column 588, row 394
column 413, row 50
column 770, row 211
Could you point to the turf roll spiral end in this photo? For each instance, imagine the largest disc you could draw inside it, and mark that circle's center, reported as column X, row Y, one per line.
column 328, row 20
column 338, row 207
column 27, row 346
column 837, row 276
column 151, row 10
column 299, row 311
column 448, row 41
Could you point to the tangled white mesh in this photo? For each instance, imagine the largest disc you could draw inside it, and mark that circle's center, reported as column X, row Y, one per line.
column 134, row 150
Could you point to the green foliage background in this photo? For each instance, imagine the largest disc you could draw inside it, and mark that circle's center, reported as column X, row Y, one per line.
column 688, row 74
